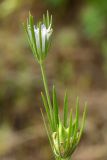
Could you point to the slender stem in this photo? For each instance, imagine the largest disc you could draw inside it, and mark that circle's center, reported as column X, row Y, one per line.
column 46, row 88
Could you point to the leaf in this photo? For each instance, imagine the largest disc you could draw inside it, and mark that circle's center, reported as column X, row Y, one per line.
column 81, row 130
column 70, row 130
column 44, row 20
column 31, row 23
column 65, row 110
column 58, row 131
column 28, row 38
column 51, row 20
column 40, row 37
column 76, row 122
column 46, row 127
column 47, row 19
column 47, row 110
column 83, row 122
column 55, row 108
column 77, row 113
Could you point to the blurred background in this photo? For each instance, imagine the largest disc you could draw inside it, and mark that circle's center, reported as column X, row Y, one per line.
column 77, row 62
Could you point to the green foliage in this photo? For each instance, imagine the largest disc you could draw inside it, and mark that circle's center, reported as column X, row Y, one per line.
column 55, row 3
column 101, row 5
column 64, row 137
column 93, row 22
column 94, row 18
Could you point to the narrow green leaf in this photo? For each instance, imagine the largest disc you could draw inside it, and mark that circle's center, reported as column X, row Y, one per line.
column 76, row 122
column 77, row 113
column 65, row 110
column 44, row 20
column 47, row 19
column 40, row 37
column 29, row 39
column 46, row 91
column 47, row 130
column 31, row 22
column 70, row 130
column 59, row 140
column 81, row 130
column 55, row 108
column 47, row 109
column 51, row 20
column 83, row 122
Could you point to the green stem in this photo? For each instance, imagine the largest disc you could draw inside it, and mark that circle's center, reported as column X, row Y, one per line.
column 46, row 88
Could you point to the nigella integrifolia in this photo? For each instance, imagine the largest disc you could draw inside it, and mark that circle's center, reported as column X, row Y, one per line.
column 39, row 36
column 64, row 134
column 45, row 37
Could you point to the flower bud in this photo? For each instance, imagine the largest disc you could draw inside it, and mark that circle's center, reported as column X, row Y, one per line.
column 39, row 36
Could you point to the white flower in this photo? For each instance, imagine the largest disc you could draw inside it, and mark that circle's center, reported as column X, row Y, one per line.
column 39, row 36
column 45, row 36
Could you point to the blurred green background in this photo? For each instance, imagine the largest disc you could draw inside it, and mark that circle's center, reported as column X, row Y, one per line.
column 77, row 62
